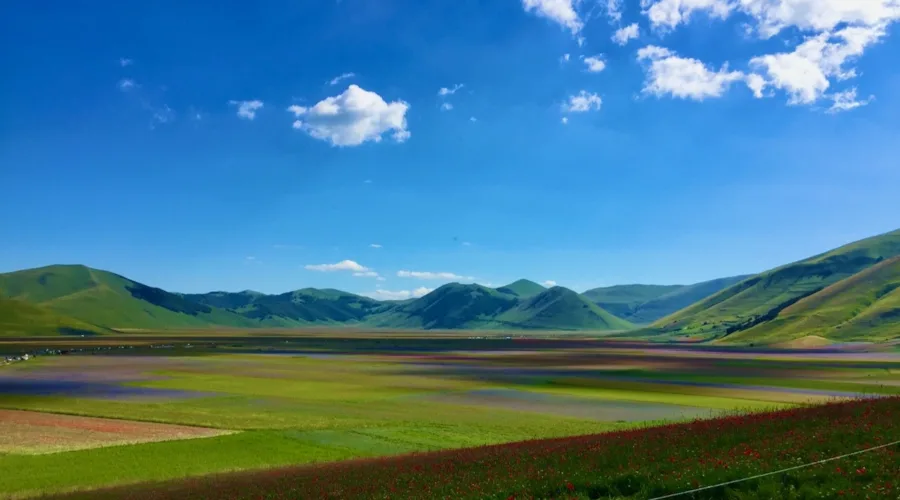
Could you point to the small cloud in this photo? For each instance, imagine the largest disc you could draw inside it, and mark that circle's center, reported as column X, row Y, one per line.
column 614, row 10
column 595, row 64
column 446, row 106
column 352, row 118
column 444, row 91
column 549, row 283
column 126, row 84
column 427, row 275
column 380, row 278
column 337, row 79
column 366, row 274
column 561, row 12
column 582, row 102
column 163, row 114
column 623, row 35
column 847, row 100
column 565, row 120
column 684, row 78
column 466, row 244
column 124, row 61
column 564, row 58
column 247, row 109
column 344, row 265
column 250, row 257
column 375, row 245
column 473, row 119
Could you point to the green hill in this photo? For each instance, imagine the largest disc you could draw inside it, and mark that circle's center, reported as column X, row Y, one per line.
column 108, row 300
column 865, row 306
column 19, row 318
column 451, row 306
column 560, row 309
column 644, row 304
column 310, row 306
column 623, row 300
column 763, row 297
column 522, row 288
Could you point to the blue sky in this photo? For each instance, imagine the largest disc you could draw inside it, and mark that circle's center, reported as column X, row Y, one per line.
column 589, row 143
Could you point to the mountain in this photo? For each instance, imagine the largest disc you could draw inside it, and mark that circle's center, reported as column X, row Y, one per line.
column 451, row 306
column 458, row 306
column 309, row 306
column 224, row 300
column 19, row 318
column 522, row 288
column 865, row 306
column 763, row 297
column 107, row 300
column 623, row 300
column 644, row 304
column 560, row 309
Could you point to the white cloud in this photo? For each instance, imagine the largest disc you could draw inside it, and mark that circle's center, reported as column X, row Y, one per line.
column 466, row 244
column 444, row 91
column 595, row 64
column 473, row 119
column 685, row 78
column 668, row 14
column 126, row 84
column 366, row 274
column 375, row 245
column 344, row 265
column 614, row 10
column 380, row 278
column 582, row 102
column 163, row 114
column 399, row 294
column 565, row 58
column 549, row 283
column 337, row 79
column 757, row 84
column 805, row 73
column 773, row 16
column 446, row 106
column 847, row 100
column 247, row 109
column 561, row 12
column 623, row 35
column 124, row 61
column 352, row 118
column 427, row 275
column 564, row 120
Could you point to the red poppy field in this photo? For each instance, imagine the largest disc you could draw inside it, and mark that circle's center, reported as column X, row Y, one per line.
column 644, row 463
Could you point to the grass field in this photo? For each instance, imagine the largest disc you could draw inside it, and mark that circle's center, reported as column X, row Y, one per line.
column 291, row 400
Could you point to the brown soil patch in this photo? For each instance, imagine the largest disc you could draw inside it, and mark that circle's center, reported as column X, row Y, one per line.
column 32, row 433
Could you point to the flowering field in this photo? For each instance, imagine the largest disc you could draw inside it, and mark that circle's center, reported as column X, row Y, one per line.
column 643, row 463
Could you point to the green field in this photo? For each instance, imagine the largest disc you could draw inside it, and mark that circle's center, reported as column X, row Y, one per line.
column 295, row 400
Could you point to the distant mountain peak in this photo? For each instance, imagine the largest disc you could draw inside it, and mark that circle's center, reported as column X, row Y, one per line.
column 522, row 288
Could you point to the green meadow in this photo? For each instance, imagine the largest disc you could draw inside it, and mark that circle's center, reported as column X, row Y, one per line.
column 314, row 400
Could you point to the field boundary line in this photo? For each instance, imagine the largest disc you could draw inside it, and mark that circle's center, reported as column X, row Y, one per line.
column 703, row 488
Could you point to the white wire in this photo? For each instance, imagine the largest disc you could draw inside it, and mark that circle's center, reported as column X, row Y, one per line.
column 672, row 495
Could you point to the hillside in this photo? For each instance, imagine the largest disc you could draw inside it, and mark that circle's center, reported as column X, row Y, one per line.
column 19, row 318
column 560, row 309
column 310, row 306
column 522, row 288
column 865, row 306
column 763, row 297
column 108, row 300
column 452, row 306
column 623, row 300
column 644, row 304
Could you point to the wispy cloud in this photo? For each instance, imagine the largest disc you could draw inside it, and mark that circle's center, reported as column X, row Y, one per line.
column 124, row 61
column 247, row 109
column 374, row 245
column 337, row 79
column 445, row 91
column 126, row 84
column 427, row 275
column 446, row 106
column 399, row 294
column 549, row 283
column 366, row 274
column 344, row 265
